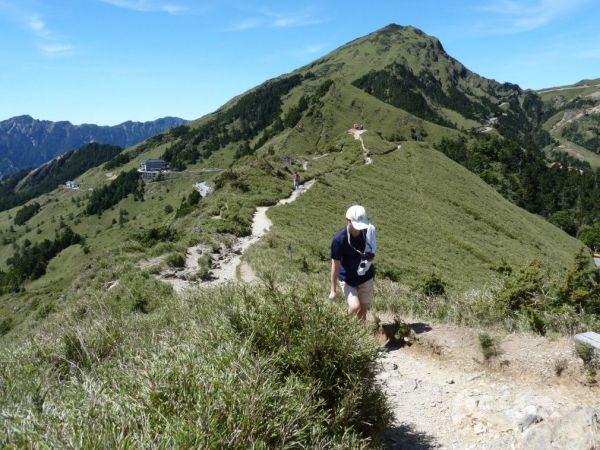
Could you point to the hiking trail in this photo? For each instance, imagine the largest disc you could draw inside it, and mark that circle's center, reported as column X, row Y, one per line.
column 357, row 135
column 226, row 262
column 444, row 394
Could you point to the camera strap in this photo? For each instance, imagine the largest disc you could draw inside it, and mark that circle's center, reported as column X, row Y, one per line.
column 362, row 254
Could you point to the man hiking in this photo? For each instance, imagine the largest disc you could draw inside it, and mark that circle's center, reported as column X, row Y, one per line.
column 296, row 180
column 352, row 252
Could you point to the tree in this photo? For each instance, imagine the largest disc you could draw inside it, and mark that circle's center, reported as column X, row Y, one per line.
column 590, row 236
column 579, row 287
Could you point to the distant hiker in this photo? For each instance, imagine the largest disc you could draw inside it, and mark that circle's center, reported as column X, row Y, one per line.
column 296, row 180
column 352, row 251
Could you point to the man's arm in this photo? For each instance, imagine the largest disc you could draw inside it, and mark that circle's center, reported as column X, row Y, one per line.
column 335, row 270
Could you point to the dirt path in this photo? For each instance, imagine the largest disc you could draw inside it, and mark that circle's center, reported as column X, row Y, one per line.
column 357, row 135
column 445, row 395
column 583, row 86
column 570, row 116
column 225, row 263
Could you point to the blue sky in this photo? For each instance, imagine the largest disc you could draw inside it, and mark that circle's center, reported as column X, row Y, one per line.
column 107, row 61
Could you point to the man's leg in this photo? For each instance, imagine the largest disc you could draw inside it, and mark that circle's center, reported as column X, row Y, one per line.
column 365, row 293
column 351, row 296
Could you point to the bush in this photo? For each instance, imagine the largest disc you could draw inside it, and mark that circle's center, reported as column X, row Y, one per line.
column 488, row 346
column 26, row 213
column 193, row 374
column 153, row 236
column 587, row 353
column 579, row 287
column 5, row 326
column 204, row 266
column 523, row 287
column 433, row 285
column 176, row 259
column 311, row 340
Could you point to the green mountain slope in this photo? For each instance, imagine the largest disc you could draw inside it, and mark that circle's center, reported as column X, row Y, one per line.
column 19, row 188
column 406, row 67
column 576, row 121
column 434, row 215
column 97, row 352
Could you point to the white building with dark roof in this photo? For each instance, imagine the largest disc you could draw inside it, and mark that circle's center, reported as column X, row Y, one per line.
column 152, row 165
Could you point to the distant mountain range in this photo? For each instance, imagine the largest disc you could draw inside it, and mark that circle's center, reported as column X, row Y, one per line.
column 26, row 142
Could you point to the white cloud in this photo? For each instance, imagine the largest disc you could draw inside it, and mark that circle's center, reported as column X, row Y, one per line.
column 512, row 17
column 248, row 24
column 149, row 6
column 291, row 21
column 48, row 41
column 56, row 49
column 269, row 19
column 37, row 25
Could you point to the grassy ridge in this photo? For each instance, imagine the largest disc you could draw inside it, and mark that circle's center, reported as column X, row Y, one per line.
column 209, row 370
column 431, row 214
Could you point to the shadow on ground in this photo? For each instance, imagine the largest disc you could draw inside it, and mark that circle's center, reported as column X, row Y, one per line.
column 393, row 341
column 404, row 437
column 420, row 327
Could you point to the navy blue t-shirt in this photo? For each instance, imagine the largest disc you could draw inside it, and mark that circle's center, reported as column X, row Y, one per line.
column 349, row 258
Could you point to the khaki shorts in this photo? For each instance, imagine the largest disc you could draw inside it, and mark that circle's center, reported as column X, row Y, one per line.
column 362, row 292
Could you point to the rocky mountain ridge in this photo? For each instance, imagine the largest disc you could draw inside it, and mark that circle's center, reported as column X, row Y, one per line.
column 28, row 142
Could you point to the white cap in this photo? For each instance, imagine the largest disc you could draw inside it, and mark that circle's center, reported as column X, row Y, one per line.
column 357, row 215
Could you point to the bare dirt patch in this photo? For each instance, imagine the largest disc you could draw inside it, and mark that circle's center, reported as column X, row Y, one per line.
column 446, row 395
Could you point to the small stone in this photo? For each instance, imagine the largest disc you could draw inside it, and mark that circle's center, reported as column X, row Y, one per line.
column 395, row 367
column 472, row 376
column 528, row 420
column 479, row 428
column 450, row 381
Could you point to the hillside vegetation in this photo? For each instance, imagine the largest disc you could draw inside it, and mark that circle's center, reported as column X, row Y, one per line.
column 575, row 119
column 25, row 185
column 102, row 354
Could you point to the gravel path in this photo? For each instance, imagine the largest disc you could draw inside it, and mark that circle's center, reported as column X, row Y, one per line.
column 445, row 395
column 226, row 263
column 357, row 135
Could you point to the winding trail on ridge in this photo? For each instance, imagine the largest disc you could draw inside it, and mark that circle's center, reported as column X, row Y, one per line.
column 225, row 268
column 357, row 135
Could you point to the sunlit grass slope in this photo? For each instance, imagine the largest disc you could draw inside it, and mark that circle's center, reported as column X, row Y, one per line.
column 432, row 216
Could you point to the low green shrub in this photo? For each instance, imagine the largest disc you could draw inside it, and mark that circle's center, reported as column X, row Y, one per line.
column 433, row 285
column 587, row 353
column 488, row 346
column 176, row 259
column 311, row 340
column 153, row 236
column 229, row 367
column 204, row 266
column 5, row 326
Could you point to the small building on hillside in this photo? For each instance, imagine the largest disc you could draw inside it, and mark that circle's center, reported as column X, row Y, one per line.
column 152, row 165
column 72, row 185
